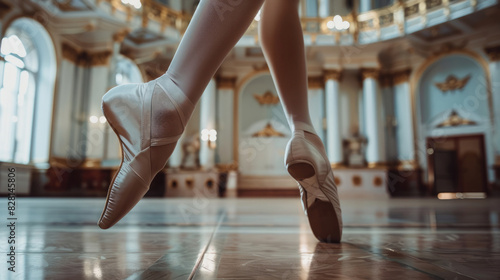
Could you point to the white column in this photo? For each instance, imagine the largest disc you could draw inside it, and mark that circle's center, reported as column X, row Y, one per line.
column 333, row 136
column 175, row 160
column 365, row 5
column 405, row 140
column 225, row 118
column 371, row 116
column 494, row 65
column 324, row 8
column 316, row 101
column 207, row 121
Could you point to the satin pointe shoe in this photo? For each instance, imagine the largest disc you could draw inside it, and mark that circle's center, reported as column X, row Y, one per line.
column 307, row 163
column 129, row 111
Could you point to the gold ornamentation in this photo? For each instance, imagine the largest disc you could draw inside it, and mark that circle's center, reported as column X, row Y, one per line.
column 84, row 58
column 455, row 120
column 377, row 181
column 174, row 184
column 268, row 131
column 453, row 83
column 493, row 53
column 315, row 82
column 337, row 180
column 268, row 98
column 401, row 77
column 189, row 183
column 411, row 10
column 120, row 35
column 357, row 180
column 367, row 73
column 332, row 75
column 226, row 82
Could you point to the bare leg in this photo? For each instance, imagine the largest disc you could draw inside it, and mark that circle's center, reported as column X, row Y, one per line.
column 283, row 45
column 215, row 28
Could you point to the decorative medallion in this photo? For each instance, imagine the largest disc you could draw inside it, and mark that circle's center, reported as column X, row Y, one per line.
column 455, row 120
column 453, row 83
column 173, row 184
column 377, row 181
column 356, row 180
column 337, row 181
column 268, row 131
column 189, row 183
column 268, row 98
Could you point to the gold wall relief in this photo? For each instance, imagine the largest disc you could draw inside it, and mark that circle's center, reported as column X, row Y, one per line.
column 121, row 35
column 268, row 98
column 332, row 75
column 377, row 181
column 357, row 180
column 268, row 131
column 84, row 58
column 493, row 53
column 453, row 83
column 454, row 119
column 226, row 82
column 315, row 82
column 367, row 73
column 401, row 77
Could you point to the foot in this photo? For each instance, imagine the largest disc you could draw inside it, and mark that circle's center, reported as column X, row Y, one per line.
column 148, row 119
column 307, row 163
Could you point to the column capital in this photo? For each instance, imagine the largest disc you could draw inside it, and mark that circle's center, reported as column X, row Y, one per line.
column 493, row 53
column 226, row 82
column 332, row 74
column 367, row 73
column 120, row 35
column 84, row 58
column 315, row 82
column 400, row 77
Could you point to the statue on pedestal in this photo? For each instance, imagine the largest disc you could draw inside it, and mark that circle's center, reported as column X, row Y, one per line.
column 354, row 148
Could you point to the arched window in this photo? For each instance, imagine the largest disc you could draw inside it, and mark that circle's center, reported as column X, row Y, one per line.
column 27, row 76
column 126, row 71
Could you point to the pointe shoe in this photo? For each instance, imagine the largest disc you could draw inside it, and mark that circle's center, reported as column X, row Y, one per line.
column 128, row 110
column 307, row 163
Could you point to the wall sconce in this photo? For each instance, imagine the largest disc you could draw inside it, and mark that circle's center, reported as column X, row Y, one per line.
column 96, row 119
column 209, row 136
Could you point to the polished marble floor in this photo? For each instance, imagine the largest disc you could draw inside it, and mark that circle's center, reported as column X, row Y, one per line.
column 198, row 238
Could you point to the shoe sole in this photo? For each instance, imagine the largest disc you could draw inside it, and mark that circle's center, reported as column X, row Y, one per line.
column 321, row 214
column 104, row 111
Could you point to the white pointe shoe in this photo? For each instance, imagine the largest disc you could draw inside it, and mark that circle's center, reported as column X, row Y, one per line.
column 307, row 163
column 129, row 111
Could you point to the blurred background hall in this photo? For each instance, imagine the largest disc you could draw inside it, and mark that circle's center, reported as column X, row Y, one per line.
column 405, row 94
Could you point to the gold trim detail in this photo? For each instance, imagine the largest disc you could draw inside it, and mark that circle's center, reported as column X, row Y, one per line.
column 84, row 58
column 453, row 83
column 226, row 82
column 401, row 77
column 455, row 120
column 268, row 131
column 337, row 164
column 357, row 180
column 332, row 74
column 268, row 98
column 377, row 181
column 407, row 165
column 367, row 73
column 337, row 181
column 493, row 53
column 315, row 82
column 120, row 35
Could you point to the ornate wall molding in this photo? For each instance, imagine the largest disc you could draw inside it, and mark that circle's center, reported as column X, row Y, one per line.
column 315, row 82
column 367, row 73
column 267, row 98
column 226, row 82
column 493, row 53
column 453, row 83
column 332, row 74
column 84, row 58
column 400, row 77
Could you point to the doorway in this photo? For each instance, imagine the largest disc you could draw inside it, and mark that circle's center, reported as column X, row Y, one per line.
column 457, row 164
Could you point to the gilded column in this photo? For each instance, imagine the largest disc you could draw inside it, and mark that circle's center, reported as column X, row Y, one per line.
column 225, row 118
column 207, row 125
column 494, row 65
column 405, row 139
column 372, row 125
column 333, row 135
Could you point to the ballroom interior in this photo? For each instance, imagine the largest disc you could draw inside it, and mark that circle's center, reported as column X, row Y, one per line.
column 405, row 95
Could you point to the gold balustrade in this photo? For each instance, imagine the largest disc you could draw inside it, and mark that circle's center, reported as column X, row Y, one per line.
column 395, row 14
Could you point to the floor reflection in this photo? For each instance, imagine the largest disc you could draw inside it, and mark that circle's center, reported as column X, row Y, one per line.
column 255, row 239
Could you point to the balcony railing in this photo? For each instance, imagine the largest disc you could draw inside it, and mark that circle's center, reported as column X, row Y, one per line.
column 403, row 17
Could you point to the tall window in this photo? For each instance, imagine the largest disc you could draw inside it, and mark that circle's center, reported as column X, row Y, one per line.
column 19, row 68
column 126, row 71
column 26, row 92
